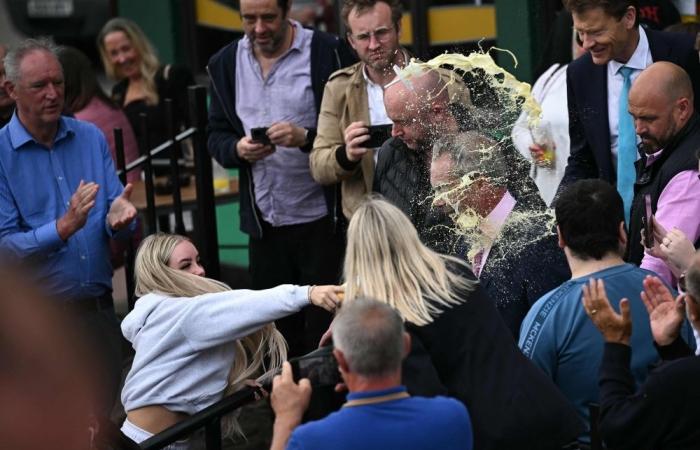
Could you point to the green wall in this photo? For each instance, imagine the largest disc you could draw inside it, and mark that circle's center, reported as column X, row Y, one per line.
column 518, row 30
column 161, row 21
column 228, row 229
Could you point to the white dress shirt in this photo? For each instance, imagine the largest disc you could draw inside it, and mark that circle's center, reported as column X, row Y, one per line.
column 640, row 60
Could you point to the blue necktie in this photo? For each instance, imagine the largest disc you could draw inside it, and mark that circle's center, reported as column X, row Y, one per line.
column 626, row 146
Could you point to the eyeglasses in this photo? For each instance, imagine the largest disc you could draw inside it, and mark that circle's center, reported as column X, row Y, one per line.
column 380, row 34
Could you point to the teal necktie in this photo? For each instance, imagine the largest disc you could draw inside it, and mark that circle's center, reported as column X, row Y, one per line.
column 626, row 146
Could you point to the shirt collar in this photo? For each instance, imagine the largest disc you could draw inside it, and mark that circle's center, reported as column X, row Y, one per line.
column 638, row 61
column 19, row 136
column 493, row 223
column 378, row 393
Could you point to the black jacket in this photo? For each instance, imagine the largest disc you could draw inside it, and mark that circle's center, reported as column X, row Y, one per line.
column 678, row 156
column 662, row 413
column 525, row 262
column 468, row 353
column 328, row 54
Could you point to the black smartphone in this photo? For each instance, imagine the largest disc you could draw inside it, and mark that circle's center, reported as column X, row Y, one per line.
column 319, row 366
column 378, row 134
column 259, row 135
column 648, row 222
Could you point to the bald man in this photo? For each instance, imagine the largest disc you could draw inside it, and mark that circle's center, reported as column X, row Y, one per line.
column 661, row 104
column 7, row 105
column 419, row 110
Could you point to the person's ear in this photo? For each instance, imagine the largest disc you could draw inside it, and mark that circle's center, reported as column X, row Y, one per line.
column 622, row 237
column 342, row 362
column 560, row 238
column 406, row 344
column 682, row 109
column 630, row 17
column 10, row 89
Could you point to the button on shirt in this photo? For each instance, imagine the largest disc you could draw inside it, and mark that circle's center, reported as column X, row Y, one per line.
column 640, row 60
column 285, row 193
column 36, row 185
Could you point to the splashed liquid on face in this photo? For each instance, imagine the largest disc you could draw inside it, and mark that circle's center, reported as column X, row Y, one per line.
column 472, row 170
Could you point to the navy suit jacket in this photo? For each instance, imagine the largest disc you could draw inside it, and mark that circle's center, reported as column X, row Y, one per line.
column 587, row 86
column 524, row 263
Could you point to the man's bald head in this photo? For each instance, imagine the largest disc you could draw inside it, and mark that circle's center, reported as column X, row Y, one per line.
column 665, row 79
column 418, row 106
column 661, row 103
column 418, row 91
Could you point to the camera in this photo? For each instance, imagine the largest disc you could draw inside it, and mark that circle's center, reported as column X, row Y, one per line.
column 259, row 135
column 378, row 134
column 319, row 366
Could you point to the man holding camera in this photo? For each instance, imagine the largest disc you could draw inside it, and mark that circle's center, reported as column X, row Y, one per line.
column 661, row 103
column 266, row 91
column 369, row 345
column 353, row 99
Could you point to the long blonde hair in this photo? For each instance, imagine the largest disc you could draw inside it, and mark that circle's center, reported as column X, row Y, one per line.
column 386, row 260
column 152, row 274
column 149, row 59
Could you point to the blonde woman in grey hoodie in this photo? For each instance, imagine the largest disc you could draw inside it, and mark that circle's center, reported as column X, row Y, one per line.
column 193, row 336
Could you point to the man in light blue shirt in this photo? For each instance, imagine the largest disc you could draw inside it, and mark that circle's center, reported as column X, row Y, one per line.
column 61, row 200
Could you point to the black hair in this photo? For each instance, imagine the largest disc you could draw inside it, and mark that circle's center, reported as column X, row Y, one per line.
column 589, row 213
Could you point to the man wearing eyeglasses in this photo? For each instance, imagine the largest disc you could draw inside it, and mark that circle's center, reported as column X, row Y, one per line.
column 603, row 141
column 353, row 100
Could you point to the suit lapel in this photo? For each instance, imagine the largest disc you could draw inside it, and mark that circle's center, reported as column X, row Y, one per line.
column 600, row 120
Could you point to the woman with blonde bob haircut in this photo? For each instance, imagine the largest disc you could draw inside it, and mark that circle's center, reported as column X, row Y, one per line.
column 460, row 346
column 196, row 339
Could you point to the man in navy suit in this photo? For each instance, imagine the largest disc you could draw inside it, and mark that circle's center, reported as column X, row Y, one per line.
column 611, row 35
column 507, row 232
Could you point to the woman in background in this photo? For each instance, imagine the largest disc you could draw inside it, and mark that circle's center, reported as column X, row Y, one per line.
column 546, row 146
column 196, row 339
column 86, row 100
column 143, row 83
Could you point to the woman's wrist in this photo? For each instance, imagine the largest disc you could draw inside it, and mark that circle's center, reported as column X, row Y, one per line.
column 309, row 293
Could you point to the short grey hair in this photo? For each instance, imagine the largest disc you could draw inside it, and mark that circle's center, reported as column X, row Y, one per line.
column 14, row 57
column 474, row 153
column 370, row 335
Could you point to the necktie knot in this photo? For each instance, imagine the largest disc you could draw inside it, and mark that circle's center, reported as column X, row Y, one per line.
column 626, row 72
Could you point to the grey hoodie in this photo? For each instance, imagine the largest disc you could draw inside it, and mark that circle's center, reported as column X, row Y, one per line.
column 184, row 346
